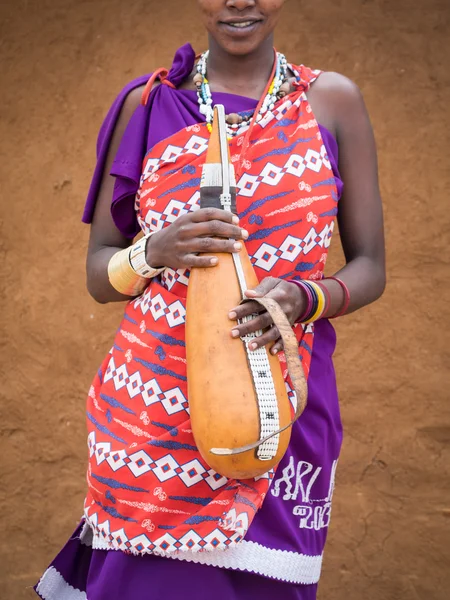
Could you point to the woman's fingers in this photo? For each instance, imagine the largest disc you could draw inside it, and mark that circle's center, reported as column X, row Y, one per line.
column 193, row 261
column 213, row 245
column 211, row 214
column 277, row 347
column 245, row 310
column 217, row 228
column 259, row 322
column 264, row 287
column 266, row 338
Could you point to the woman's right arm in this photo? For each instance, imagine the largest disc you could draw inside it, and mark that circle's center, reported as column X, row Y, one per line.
column 105, row 239
column 205, row 231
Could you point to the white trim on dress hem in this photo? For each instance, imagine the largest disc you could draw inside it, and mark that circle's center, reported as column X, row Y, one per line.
column 283, row 565
column 53, row 586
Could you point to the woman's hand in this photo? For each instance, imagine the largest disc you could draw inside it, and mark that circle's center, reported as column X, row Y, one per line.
column 207, row 230
column 288, row 295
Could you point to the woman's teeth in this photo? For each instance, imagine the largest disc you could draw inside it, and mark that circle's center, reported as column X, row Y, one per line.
column 244, row 24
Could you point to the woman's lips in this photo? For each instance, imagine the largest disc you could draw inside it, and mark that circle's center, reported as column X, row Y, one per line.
column 240, row 28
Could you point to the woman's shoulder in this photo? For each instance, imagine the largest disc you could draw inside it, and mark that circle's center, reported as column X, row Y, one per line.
column 131, row 93
column 334, row 98
column 331, row 82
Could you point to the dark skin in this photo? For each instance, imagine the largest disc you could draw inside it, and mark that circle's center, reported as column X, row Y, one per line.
column 240, row 62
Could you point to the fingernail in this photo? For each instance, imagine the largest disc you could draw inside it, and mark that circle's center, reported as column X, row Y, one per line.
column 235, row 219
column 253, row 346
column 274, row 350
column 237, row 246
column 214, row 261
column 244, row 233
column 235, row 333
column 232, row 315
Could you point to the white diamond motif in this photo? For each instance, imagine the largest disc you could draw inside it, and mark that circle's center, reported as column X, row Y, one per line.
column 134, row 384
column 174, row 401
column 290, row 248
column 100, row 451
column 313, row 160
column 115, row 459
column 151, row 391
column 214, row 480
column 247, row 185
column 140, row 462
column 158, row 307
column 176, row 314
column 295, row 165
column 192, row 472
column 266, row 257
column 173, row 210
column 271, row 174
column 119, row 377
column 165, row 468
column 171, row 153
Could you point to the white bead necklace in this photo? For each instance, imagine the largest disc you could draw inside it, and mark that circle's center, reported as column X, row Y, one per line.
column 237, row 122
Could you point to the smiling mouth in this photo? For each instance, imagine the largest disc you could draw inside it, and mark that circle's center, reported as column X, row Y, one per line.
column 240, row 24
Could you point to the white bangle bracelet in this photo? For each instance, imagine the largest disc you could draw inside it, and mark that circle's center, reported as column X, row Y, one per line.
column 138, row 259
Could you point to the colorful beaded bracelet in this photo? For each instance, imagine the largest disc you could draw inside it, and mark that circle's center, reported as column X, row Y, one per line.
column 321, row 301
column 327, row 296
column 316, row 300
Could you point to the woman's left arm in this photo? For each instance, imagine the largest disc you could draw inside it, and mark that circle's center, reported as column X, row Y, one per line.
column 360, row 217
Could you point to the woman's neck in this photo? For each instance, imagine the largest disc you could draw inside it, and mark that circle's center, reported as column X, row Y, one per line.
column 242, row 75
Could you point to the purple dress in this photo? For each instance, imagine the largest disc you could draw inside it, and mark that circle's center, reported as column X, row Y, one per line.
column 286, row 539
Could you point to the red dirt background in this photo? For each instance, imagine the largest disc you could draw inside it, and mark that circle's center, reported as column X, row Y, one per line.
column 62, row 63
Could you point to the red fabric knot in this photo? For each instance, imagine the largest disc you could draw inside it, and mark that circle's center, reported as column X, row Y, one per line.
column 160, row 74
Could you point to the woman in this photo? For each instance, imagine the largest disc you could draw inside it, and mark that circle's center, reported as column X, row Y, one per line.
column 297, row 138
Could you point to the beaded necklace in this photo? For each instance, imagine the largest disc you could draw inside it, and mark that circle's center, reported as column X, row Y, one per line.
column 239, row 122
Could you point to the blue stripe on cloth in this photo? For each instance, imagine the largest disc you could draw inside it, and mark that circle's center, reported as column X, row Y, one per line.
column 259, row 203
column 243, row 500
column 110, row 497
column 262, row 233
column 287, row 275
column 192, row 500
column 117, row 485
column 171, row 445
column 170, row 428
column 331, row 181
column 114, row 513
column 182, row 186
column 304, row 345
column 196, row 519
column 100, row 375
column 186, row 169
column 166, row 339
column 118, row 348
column 127, row 318
column 249, row 487
column 305, row 266
column 159, row 351
column 329, row 213
column 287, row 150
column 116, row 404
column 159, row 370
column 166, row 526
column 104, row 429
column 285, row 122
